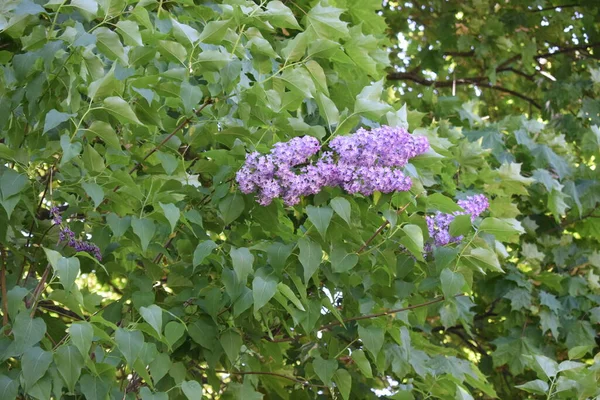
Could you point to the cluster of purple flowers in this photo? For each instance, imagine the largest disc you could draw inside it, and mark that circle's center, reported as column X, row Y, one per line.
column 439, row 224
column 364, row 162
column 67, row 235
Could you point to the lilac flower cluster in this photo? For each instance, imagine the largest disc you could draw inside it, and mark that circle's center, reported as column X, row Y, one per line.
column 364, row 162
column 67, row 235
column 439, row 224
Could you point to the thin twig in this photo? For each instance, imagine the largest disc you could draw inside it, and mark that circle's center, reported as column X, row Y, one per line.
column 39, row 206
column 3, row 283
column 179, row 127
column 456, row 331
column 384, row 313
column 296, row 379
column 38, row 290
column 383, row 225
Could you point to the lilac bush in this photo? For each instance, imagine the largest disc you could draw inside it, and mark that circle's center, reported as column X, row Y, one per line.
column 67, row 235
column 439, row 224
column 364, row 162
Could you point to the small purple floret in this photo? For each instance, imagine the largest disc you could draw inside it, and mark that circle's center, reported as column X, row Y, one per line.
column 438, row 225
column 67, row 235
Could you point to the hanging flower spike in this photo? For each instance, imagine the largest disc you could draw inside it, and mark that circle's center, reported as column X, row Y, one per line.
column 67, row 235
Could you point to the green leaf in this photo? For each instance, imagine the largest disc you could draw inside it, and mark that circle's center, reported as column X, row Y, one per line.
column 130, row 31
column 191, row 96
column 372, row 337
column 298, row 79
column 110, row 45
column 144, row 229
column 280, row 16
column 362, row 363
column 192, row 390
column 55, row 118
column 82, row 334
column 441, row 203
column 69, row 364
column 34, row 364
column 342, row 207
column 462, row 394
column 231, row 342
column 325, row 22
column 172, row 214
column 452, row 283
column 320, row 217
column 310, row 257
column 295, row 48
column 173, row 332
column 505, row 229
column 87, row 6
column 231, row 207
column 42, row 389
column 183, row 32
column 27, row 332
column 461, row 225
column 146, row 394
column 94, row 191
column 130, row 343
column 92, row 160
column 118, row 225
column 264, row 287
column 70, row 150
column 11, row 183
column 8, row 388
column 413, row 240
column 548, row 366
column 368, row 102
column 485, row 259
column 93, row 387
column 328, row 110
column 277, row 255
column 537, row 386
column 153, row 315
column 160, row 366
column 121, row 110
column 242, row 261
column 342, row 261
column 105, row 132
column 68, row 270
column 325, row 369
column 202, row 251
column 290, row 295
column 214, row 31
column 343, row 381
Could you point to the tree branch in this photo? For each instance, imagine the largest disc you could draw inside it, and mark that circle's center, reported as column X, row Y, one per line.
column 555, row 7
column 480, row 81
column 362, row 317
column 514, row 93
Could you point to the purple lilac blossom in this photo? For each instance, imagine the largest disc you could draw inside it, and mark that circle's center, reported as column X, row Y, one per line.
column 67, row 235
column 438, row 225
column 364, row 162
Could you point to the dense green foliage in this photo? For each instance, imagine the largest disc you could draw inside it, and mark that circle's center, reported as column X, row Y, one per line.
column 133, row 117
